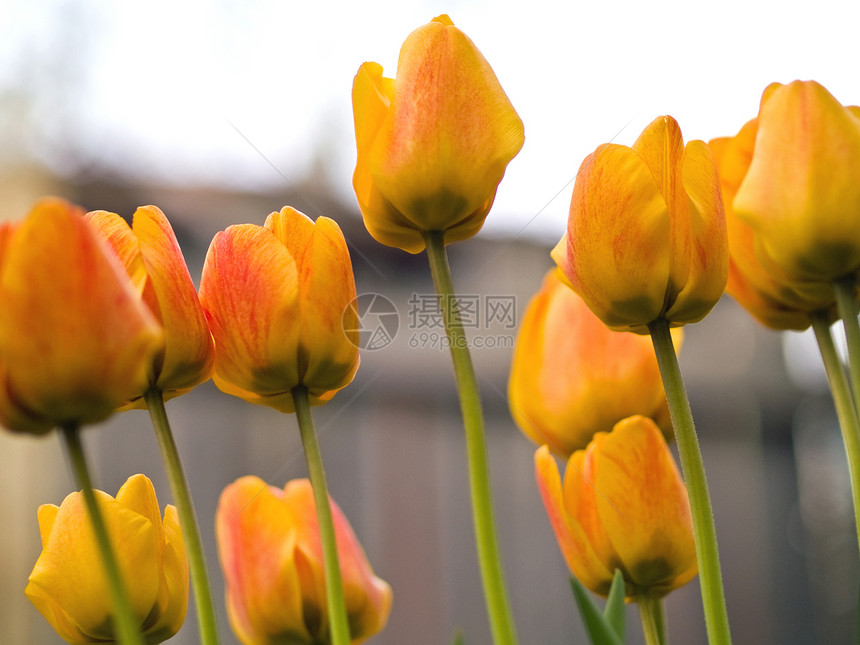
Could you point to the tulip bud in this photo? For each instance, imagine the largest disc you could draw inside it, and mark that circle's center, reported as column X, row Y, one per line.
column 433, row 144
column 800, row 194
column 755, row 281
column 271, row 555
column 76, row 341
column 152, row 257
column 646, row 237
column 68, row 584
column 572, row 377
column 278, row 301
column 622, row 506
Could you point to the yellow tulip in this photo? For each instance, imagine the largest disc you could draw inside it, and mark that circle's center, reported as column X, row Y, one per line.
column 278, row 301
column 76, row 341
column 646, row 237
column 758, row 284
column 68, row 585
column 801, row 195
column 622, row 506
column 433, row 144
column 271, row 555
column 154, row 261
column 571, row 377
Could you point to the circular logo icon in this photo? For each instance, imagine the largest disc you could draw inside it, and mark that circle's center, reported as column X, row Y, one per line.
column 371, row 321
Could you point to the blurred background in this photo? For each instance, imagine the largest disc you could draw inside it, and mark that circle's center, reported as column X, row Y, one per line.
column 220, row 112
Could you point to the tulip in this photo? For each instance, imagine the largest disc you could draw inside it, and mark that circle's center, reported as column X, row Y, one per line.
column 801, row 195
column 152, row 257
column 433, row 144
column 758, row 284
column 278, row 299
column 270, row 550
column 646, row 238
column 75, row 339
column 571, row 377
column 68, row 585
column 622, row 506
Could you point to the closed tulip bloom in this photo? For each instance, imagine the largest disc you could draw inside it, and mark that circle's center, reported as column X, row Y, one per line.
column 572, row 377
column 152, row 257
column 622, row 505
column 68, row 585
column 271, row 555
column 755, row 281
column 433, row 144
column 278, row 299
column 800, row 194
column 76, row 341
column 646, row 238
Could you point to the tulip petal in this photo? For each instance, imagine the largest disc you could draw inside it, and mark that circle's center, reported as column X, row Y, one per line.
column 93, row 337
column 189, row 352
column 575, row 546
column 638, row 504
column 620, row 224
column 119, row 236
column 708, row 247
column 138, row 494
column 249, row 291
column 174, row 601
column 47, row 515
column 256, row 543
column 328, row 357
column 371, row 97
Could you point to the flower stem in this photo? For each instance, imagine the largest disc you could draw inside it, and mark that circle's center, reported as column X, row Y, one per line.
column 845, row 408
column 498, row 606
column 207, row 623
column 338, row 623
column 693, row 468
column 653, row 619
column 846, row 302
column 126, row 625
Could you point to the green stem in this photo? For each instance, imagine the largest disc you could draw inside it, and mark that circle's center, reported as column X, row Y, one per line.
column 846, row 302
column 845, row 408
column 338, row 623
column 127, row 626
column 206, row 619
column 693, row 468
column 653, row 619
column 498, row 606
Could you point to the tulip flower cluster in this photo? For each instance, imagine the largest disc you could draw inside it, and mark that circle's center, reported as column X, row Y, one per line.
column 98, row 315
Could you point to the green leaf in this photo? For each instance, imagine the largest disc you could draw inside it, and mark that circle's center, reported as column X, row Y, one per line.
column 458, row 638
column 613, row 612
column 599, row 629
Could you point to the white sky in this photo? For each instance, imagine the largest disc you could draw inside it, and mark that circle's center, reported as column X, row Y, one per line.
column 166, row 87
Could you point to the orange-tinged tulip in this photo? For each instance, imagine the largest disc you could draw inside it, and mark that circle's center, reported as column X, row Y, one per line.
column 154, row 261
column 622, row 505
column 68, row 585
column 271, row 555
column 277, row 298
column 572, row 377
column 434, row 144
column 646, row 238
column 801, row 195
column 758, row 284
column 76, row 341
